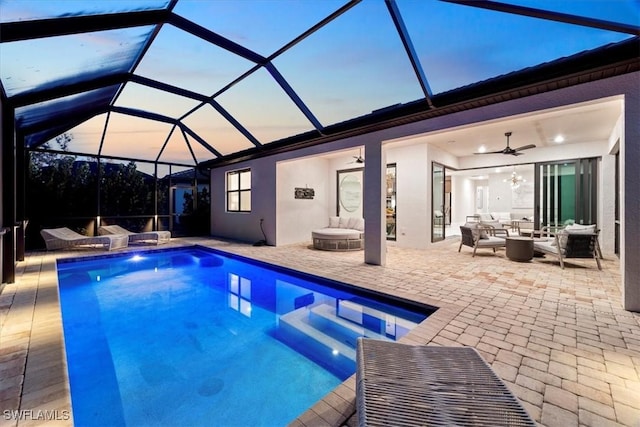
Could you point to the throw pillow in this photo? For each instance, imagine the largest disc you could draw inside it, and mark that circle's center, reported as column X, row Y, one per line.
column 474, row 228
column 352, row 223
column 580, row 228
column 334, row 222
column 483, row 231
column 359, row 225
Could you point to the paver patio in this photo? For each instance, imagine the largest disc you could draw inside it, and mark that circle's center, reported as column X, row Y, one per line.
column 558, row 338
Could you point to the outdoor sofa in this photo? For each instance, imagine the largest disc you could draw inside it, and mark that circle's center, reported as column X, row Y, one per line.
column 342, row 234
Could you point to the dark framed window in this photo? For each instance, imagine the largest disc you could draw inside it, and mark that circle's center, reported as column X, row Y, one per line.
column 239, row 191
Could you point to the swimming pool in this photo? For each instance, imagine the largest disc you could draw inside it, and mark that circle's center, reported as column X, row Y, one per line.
column 195, row 336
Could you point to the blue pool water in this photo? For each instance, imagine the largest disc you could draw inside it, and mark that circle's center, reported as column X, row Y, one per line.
column 195, row 336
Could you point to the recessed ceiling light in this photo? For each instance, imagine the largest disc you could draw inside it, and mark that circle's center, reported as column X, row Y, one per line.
column 558, row 139
column 482, row 149
column 498, row 170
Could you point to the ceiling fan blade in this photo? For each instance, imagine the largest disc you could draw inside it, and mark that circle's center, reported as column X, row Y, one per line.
column 491, row 152
column 525, row 147
column 515, row 153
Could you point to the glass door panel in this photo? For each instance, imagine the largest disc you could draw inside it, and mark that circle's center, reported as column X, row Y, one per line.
column 566, row 193
column 437, row 202
column 391, row 202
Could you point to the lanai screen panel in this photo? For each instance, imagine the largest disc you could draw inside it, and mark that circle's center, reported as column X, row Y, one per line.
column 623, row 11
column 261, row 105
column 460, row 45
column 354, row 65
column 261, row 26
column 145, row 98
column 188, row 62
column 218, row 132
column 84, row 138
column 135, row 138
column 55, row 61
column 29, row 10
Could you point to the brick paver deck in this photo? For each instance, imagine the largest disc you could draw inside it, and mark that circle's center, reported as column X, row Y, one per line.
column 559, row 338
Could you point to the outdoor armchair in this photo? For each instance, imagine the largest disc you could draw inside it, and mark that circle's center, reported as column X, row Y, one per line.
column 477, row 237
column 567, row 244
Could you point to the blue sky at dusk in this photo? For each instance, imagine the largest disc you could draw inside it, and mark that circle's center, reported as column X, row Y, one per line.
column 350, row 67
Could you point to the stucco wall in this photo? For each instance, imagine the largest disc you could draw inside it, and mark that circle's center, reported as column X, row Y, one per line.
column 246, row 226
column 297, row 217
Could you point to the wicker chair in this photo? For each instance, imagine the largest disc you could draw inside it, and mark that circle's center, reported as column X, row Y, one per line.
column 65, row 238
column 158, row 237
column 482, row 237
column 403, row 385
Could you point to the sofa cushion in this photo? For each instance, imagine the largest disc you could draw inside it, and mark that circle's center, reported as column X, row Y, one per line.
column 335, row 233
column 352, row 222
column 545, row 246
column 574, row 229
column 485, row 217
column 344, row 222
column 359, row 224
column 334, row 222
column 581, row 228
column 476, row 230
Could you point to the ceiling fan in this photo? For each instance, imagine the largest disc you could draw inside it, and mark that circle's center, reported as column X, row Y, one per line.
column 509, row 150
column 358, row 158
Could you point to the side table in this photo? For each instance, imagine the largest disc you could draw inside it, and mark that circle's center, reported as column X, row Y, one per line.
column 519, row 248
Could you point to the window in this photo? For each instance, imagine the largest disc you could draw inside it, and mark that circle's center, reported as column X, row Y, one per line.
column 239, row 191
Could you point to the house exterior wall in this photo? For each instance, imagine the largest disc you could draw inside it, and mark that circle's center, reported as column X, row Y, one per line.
column 630, row 199
column 295, row 218
column 246, row 226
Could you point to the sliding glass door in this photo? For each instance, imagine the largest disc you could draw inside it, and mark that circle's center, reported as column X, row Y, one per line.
column 566, row 193
column 437, row 202
column 391, row 202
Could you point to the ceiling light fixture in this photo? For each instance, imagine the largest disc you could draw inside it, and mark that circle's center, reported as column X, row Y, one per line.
column 514, row 180
column 482, row 149
column 558, row 139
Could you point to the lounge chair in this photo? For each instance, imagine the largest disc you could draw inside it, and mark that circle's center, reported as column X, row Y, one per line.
column 403, row 385
column 65, row 238
column 477, row 237
column 159, row 237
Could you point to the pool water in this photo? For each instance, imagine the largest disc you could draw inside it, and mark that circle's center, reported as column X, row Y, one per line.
column 197, row 337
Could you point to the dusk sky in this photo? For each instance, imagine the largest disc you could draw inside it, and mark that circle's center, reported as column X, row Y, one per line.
column 352, row 66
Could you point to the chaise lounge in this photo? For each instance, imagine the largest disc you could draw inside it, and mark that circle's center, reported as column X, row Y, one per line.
column 159, row 237
column 404, row 385
column 65, row 238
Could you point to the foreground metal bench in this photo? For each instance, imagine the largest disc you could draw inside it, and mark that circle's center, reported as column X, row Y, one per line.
column 403, row 385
